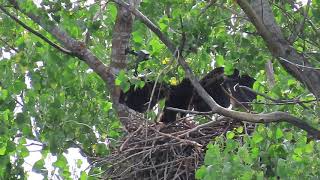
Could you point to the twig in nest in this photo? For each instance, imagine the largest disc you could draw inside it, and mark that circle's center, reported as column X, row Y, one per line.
column 186, row 141
column 201, row 126
column 189, row 112
column 124, row 144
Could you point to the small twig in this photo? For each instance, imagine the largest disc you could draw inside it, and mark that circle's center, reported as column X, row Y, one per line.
column 233, row 98
column 258, row 93
column 163, row 164
column 197, row 128
column 183, row 38
column 79, row 123
column 176, row 175
column 11, row 47
column 281, row 103
column 189, row 111
column 179, row 139
column 124, row 144
column 277, row 101
column 298, row 65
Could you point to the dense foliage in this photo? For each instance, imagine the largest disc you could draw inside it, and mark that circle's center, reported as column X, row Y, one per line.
column 57, row 101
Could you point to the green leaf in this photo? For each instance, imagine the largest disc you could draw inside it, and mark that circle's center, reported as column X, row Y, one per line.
column 79, row 163
column 83, row 175
column 137, row 38
column 3, row 94
column 240, row 129
column 123, row 81
column 24, row 152
column 257, row 138
column 3, row 148
column 230, row 135
column 107, row 106
column 212, row 154
column 244, row 155
column 61, row 162
column 288, row 135
column 309, row 147
column 38, row 166
column 219, row 61
column 112, row 9
column 298, row 151
column 201, row 172
column 279, row 133
column 255, row 152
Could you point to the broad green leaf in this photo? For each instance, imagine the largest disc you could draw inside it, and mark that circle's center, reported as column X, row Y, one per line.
column 230, row 135
column 257, row 138
column 279, row 133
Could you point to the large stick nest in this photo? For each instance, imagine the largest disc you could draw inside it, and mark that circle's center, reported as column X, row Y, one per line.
column 171, row 152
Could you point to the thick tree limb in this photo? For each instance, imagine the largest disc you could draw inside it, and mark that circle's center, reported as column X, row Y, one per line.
column 261, row 16
column 243, row 116
column 120, row 43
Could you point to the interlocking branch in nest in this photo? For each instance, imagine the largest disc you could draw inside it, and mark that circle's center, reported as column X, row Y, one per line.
column 164, row 153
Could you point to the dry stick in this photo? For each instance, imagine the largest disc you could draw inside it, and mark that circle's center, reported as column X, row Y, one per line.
column 135, row 154
column 163, row 164
column 186, row 141
column 255, row 118
column 298, row 65
column 233, row 98
column 124, row 144
column 190, row 111
column 154, row 86
column 201, row 126
column 279, row 101
column 176, row 175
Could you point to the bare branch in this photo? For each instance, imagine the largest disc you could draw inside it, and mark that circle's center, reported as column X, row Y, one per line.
column 10, row 46
column 189, row 112
column 277, row 101
column 186, row 141
column 298, row 65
